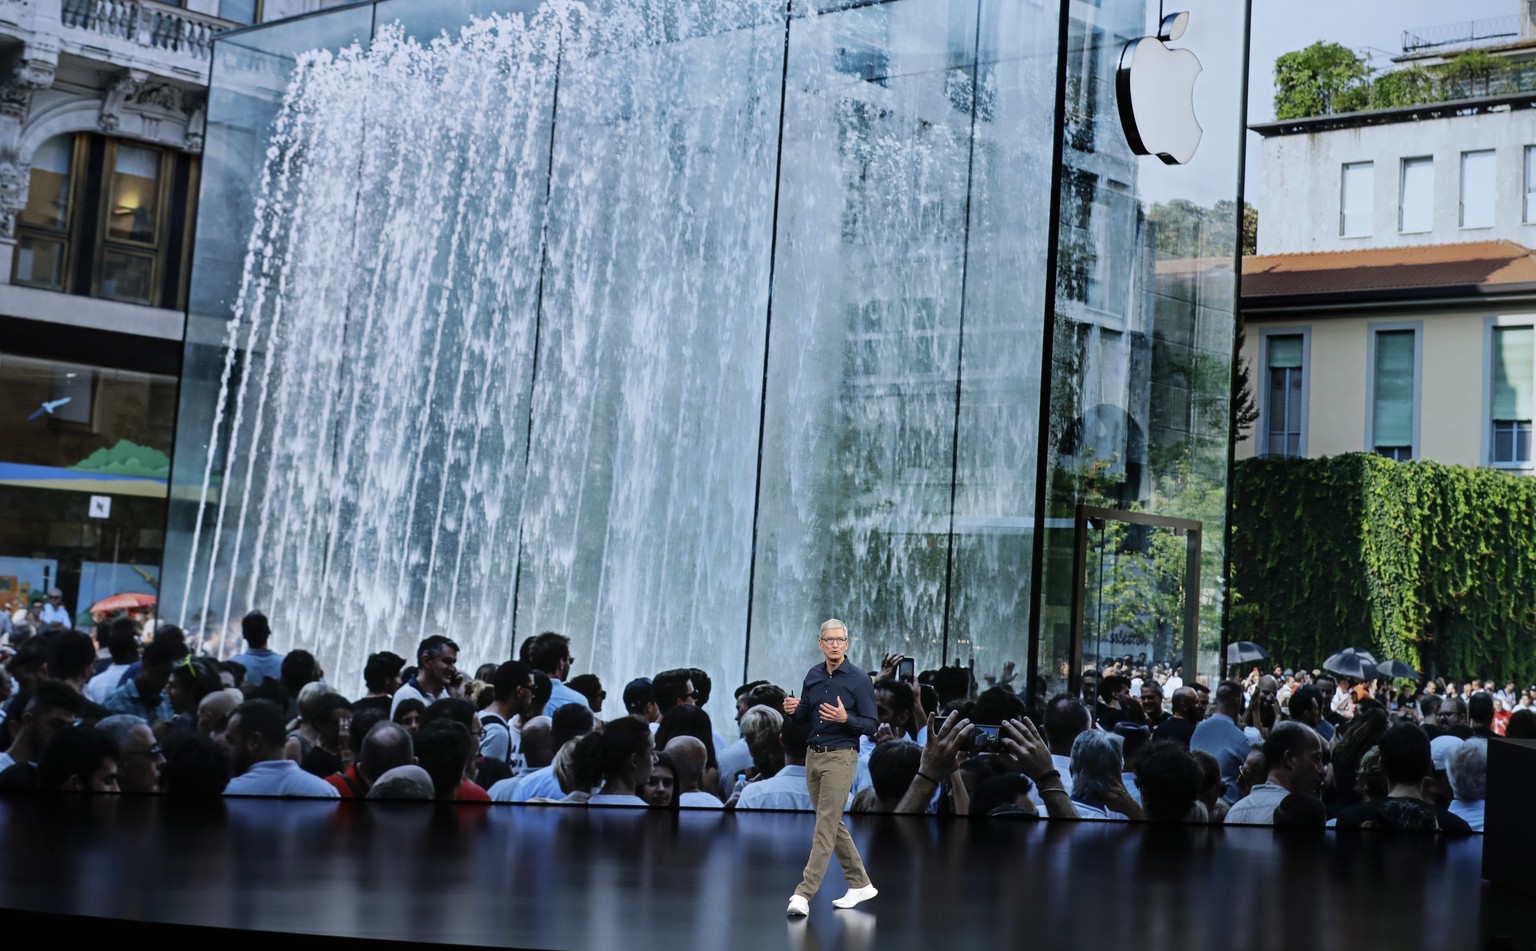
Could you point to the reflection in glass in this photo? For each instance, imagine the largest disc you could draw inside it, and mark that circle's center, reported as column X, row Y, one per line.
column 133, row 203
column 126, row 276
column 40, row 261
column 48, row 195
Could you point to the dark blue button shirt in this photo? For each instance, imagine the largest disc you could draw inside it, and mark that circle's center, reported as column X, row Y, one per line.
column 858, row 693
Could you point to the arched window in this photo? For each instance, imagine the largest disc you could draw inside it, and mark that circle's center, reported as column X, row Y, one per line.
column 42, row 248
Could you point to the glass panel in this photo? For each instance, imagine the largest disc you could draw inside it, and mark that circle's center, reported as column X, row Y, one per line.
column 48, row 195
column 1417, row 199
column 127, row 277
column 1394, row 396
column 1285, row 351
column 1512, row 368
column 1284, row 409
column 133, row 204
column 992, row 542
column 1139, row 395
column 865, row 341
column 69, row 431
column 1358, row 183
column 250, row 73
column 40, row 261
column 240, row 11
column 1477, row 189
column 1530, row 184
column 1135, row 586
column 636, row 534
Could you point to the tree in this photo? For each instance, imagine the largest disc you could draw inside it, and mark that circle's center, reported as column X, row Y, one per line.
column 1410, row 86
column 1243, row 407
column 1187, row 230
column 1474, row 73
column 1323, row 79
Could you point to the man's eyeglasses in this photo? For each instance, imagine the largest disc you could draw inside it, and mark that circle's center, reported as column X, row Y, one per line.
column 152, row 751
column 834, row 640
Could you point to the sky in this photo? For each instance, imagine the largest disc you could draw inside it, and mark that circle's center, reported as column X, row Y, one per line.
column 1373, row 27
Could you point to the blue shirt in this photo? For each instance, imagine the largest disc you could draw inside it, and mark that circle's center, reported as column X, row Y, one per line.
column 279, row 777
column 1220, row 736
column 540, row 783
column 126, row 699
column 260, row 663
column 560, row 695
column 857, row 692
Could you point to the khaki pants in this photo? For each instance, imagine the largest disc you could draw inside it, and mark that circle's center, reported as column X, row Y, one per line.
column 829, row 777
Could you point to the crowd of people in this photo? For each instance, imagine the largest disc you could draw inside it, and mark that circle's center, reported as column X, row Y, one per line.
column 143, row 712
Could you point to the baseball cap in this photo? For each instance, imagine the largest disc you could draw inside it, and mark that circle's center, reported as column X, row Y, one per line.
column 637, row 693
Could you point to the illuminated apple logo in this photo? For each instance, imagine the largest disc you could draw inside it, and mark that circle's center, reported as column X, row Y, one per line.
column 1155, row 90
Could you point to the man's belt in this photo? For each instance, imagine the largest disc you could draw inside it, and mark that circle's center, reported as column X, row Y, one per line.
column 820, row 748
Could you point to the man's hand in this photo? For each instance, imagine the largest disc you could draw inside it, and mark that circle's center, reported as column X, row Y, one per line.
column 885, row 734
column 833, row 714
column 791, row 704
column 1026, row 748
column 944, row 747
column 1118, row 798
column 888, row 666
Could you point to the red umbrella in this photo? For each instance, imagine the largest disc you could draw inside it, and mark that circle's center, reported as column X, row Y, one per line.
column 123, row 602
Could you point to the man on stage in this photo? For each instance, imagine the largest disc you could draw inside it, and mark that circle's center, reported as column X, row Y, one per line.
column 838, row 699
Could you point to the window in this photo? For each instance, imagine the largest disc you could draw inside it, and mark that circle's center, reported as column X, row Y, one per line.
column 43, row 226
column 1393, row 373
column 107, row 218
column 240, row 11
column 1529, row 215
column 1514, row 360
column 1477, row 189
column 1357, row 182
column 1416, row 196
column 1284, row 399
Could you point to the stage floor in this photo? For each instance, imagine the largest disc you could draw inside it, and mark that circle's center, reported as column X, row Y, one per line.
column 615, row 879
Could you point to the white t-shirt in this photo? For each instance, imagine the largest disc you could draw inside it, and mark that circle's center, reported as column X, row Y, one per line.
column 412, row 691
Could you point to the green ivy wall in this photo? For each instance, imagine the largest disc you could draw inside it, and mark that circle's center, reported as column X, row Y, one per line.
column 1431, row 564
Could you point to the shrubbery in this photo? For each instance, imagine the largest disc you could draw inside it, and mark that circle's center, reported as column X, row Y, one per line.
column 1426, row 563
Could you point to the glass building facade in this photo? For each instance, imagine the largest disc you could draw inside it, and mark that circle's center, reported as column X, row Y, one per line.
column 679, row 327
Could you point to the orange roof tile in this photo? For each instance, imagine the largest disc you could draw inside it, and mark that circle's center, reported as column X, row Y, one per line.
column 1478, row 267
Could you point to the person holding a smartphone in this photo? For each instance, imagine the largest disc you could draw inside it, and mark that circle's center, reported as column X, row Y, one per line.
column 838, row 700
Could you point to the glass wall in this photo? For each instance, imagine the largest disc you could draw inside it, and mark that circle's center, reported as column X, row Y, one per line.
column 679, row 327
column 1141, row 355
column 84, row 466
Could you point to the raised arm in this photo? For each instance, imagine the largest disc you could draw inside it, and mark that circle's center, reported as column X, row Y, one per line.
column 1030, row 755
column 937, row 763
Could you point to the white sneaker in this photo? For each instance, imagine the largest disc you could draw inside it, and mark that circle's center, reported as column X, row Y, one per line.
column 798, row 906
column 856, row 895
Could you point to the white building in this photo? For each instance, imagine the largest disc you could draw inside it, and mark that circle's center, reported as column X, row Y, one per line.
column 1392, row 305
column 102, row 113
column 1441, row 174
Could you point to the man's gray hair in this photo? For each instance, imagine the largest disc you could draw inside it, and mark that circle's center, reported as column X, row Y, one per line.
column 1467, row 769
column 833, row 624
column 760, row 725
column 1097, row 762
column 117, row 728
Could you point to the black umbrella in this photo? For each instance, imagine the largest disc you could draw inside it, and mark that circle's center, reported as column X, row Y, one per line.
column 1352, row 663
column 1397, row 670
column 1244, row 652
